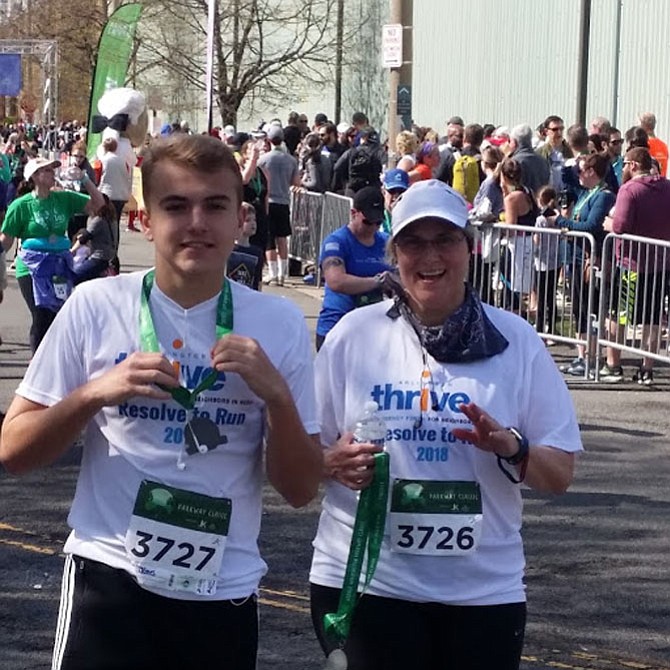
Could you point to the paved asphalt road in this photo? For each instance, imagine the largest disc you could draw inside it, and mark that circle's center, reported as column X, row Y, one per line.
column 598, row 557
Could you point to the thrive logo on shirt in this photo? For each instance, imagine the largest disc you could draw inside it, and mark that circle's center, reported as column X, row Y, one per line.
column 388, row 397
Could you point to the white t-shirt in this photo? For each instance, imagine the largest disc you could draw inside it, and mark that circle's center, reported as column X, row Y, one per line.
column 142, row 438
column 520, row 387
column 116, row 180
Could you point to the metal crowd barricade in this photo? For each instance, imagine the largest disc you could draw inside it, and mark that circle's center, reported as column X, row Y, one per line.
column 336, row 213
column 546, row 276
column 306, row 217
column 633, row 308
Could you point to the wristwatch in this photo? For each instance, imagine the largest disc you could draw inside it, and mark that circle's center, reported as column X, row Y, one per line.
column 523, row 448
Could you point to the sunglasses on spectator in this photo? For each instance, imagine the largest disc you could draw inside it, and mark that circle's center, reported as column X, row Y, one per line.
column 79, row 155
column 557, row 128
column 616, row 141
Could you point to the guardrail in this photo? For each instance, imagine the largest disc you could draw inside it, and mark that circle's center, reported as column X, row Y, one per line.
column 314, row 216
column 543, row 275
column 558, row 281
column 633, row 305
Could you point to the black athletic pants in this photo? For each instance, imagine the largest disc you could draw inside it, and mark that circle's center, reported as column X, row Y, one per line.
column 390, row 634
column 42, row 318
column 107, row 622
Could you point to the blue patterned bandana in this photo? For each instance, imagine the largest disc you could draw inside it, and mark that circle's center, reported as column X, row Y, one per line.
column 467, row 334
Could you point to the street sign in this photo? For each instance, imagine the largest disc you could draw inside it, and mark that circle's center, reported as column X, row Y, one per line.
column 392, row 45
column 404, row 102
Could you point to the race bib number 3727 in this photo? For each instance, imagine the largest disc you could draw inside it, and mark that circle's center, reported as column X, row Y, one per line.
column 435, row 518
column 176, row 538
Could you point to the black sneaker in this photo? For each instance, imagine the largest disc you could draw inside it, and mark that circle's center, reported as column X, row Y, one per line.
column 611, row 375
column 644, row 377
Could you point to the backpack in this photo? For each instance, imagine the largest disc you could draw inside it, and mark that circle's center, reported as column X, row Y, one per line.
column 466, row 176
column 364, row 166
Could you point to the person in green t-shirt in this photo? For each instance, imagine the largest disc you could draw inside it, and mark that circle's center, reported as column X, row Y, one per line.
column 39, row 219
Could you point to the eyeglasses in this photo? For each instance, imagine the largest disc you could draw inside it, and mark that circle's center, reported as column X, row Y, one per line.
column 557, row 128
column 410, row 244
column 616, row 141
column 78, row 156
column 302, row 121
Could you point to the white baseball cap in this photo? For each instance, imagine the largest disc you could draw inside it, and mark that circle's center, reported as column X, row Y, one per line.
column 35, row 164
column 429, row 199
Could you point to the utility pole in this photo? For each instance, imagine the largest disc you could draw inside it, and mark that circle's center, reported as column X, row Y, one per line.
column 400, row 78
column 583, row 59
column 338, row 60
column 617, row 62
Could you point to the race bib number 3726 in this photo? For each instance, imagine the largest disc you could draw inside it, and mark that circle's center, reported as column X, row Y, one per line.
column 176, row 538
column 435, row 518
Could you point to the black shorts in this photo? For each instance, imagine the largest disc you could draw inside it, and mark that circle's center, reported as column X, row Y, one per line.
column 392, row 634
column 107, row 621
column 279, row 223
column 640, row 297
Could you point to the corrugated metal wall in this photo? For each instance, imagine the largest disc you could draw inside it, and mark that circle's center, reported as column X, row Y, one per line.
column 515, row 61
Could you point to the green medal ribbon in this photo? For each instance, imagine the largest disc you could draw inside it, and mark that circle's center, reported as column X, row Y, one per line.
column 149, row 341
column 367, row 536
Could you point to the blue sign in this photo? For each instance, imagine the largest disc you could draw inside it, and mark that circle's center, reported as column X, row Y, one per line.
column 10, row 74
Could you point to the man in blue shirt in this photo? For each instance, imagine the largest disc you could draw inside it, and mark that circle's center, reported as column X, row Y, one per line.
column 353, row 260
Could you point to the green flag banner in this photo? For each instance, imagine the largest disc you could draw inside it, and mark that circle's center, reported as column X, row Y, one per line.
column 114, row 50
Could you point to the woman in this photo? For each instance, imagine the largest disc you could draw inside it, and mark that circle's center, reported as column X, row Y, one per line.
column 487, row 207
column 40, row 219
column 427, row 159
column 256, row 188
column 313, row 165
column 520, row 210
column 406, row 145
column 448, row 373
column 116, row 181
column 594, row 201
column 80, row 160
column 99, row 237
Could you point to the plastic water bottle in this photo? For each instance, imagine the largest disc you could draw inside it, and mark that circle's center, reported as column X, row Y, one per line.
column 370, row 427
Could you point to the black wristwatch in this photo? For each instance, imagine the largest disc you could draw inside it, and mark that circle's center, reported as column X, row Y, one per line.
column 523, row 448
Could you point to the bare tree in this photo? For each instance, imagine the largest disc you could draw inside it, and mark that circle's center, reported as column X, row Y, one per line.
column 261, row 47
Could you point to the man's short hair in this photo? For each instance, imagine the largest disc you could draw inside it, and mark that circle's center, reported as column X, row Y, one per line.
column 599, row 162
column 637, row 137
column 456, row 121
column 522, row 135
column 293, row 118
column 359, row 118
column 202, row 153
column 648, row 121
column 641, row 156
column 551, row 120
column 578, row 136
column 602, row 125
column 473, row 134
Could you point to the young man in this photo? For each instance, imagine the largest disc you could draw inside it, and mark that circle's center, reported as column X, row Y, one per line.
column 283, row 174
column 177, row 375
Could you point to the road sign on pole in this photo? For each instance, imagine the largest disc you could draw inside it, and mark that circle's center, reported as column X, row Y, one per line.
column 392, row 45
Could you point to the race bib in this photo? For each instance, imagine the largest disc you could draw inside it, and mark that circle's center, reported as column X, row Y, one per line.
column 431, row 518
column 61, row 288
column 176, row 538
